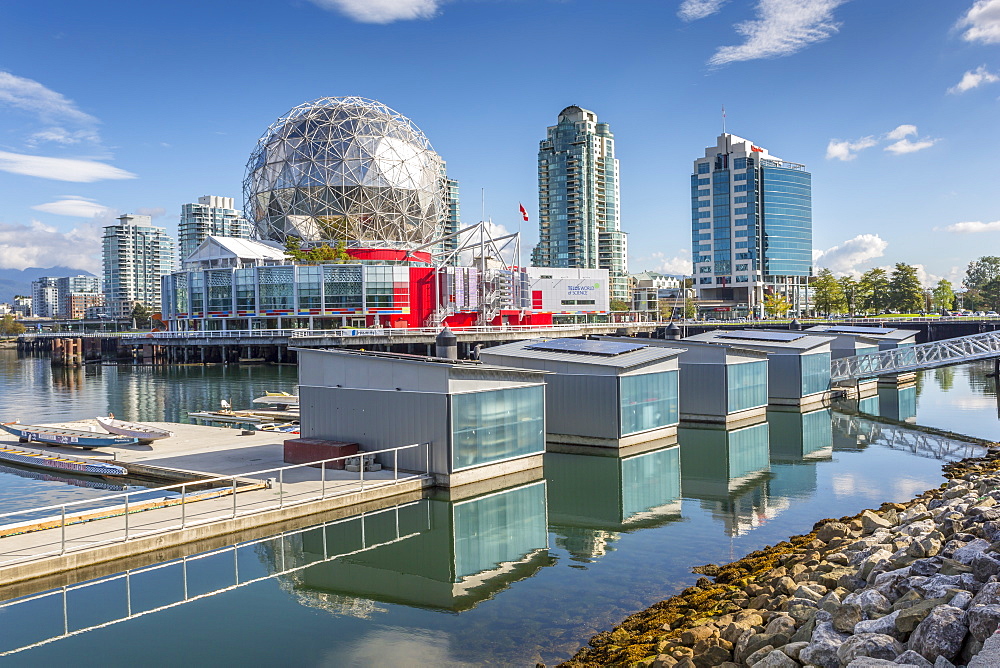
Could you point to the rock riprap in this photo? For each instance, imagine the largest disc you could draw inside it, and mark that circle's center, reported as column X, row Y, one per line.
column 910, row 584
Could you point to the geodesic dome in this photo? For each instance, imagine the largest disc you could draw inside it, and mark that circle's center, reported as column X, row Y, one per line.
column 349, row 169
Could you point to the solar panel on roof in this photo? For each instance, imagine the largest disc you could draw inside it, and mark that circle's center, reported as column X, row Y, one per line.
column 859, row 330
column 587, row 347
column 757, row 335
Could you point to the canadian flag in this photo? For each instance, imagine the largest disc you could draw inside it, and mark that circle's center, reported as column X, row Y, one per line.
column 524, row 212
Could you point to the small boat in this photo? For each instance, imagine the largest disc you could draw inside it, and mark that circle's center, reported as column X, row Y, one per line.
column 146, row 433
column 46, row 460
column 87, row 440
column 287, row 427
column 281, row 399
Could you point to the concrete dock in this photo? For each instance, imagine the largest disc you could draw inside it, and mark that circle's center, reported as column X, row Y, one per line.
column 158, row 521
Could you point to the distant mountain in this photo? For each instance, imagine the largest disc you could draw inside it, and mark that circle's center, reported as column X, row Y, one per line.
column 18, row 281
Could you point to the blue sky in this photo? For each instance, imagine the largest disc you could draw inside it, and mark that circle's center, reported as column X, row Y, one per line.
column 140, row 107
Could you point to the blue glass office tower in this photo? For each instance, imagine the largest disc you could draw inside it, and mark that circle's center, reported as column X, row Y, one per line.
column 578, row 208
column 751, row 228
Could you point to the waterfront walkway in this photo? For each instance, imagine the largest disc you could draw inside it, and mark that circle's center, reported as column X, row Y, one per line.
column 248, row 485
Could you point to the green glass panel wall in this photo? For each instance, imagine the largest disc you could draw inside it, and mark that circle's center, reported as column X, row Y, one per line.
column 815, row 373
column 496, row 425
column 749, row 450
column 498, row 529
column 648, row 401
column 747, row 385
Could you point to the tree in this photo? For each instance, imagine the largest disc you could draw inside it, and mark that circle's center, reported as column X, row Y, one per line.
column 140, row 315
column 10, row 327
column 849, row 287
column 990, row 294
column 943, row 296
column 873, row 287
column 828, row 295
column 323, row 254
column 776, row 306
column 906, row 295
column 619, row 305
column 982, row 271
column 690, row 308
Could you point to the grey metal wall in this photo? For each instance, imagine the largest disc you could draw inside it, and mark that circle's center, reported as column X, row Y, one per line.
column 784, row 376
column 582, row 405
column 703, row 389
column 378, row 419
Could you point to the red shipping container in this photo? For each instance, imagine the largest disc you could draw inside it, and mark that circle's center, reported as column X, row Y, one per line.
column 305, row 450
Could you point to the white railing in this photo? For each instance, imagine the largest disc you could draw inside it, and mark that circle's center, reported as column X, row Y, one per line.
column 376, row 331
column 921, row 356
column 80, row 516
column 59, row 603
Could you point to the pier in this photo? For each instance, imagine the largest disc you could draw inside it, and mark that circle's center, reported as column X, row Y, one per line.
column 231, row 481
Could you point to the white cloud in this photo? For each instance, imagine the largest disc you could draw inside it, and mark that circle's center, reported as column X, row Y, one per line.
column 659, row 262
column 692, row 10
column 783, row 27
column 38, row 245
column 66, row 123
column 982, row 22
column 973, row 227
column 382, row 11
column 30, row 95
column 974, row 79
column 848, row 150
column 60, row 169
column 901, row 132
column 73, row 205
column 907, row 146
column 844, row 258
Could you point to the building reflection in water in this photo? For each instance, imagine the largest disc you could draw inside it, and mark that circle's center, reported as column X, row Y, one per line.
column 594, row 498
column 897, row 403
column 729, row 472
column 799, row 441
column 456, row 554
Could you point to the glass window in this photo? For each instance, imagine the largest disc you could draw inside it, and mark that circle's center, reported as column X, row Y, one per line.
column 276, row 288
column 220, row 290
column 740, row 163
column 749, row 450
column 815, row 373
column 746, row 385
column 310, row 287
column 648, row 401
column 246, row 299
column 496, row 425
column 703, row 168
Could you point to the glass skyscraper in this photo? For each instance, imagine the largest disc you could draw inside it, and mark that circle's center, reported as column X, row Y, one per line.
column 578, row 206
column 136, row 256
column 751, row 228
column 212, row 215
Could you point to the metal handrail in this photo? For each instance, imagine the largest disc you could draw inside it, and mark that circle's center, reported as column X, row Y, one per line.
column 113, row 510
column 920, row 356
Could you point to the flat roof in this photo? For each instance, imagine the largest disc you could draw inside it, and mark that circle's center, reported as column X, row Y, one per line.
column 405, row 358
column 638, row 354
column 761, row 339
column 880, row 333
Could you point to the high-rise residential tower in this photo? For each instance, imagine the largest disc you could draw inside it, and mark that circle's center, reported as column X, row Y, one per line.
column 136, row 256
column 578, row 208
column 751, row 227
column 212, row 215
column 45, row 296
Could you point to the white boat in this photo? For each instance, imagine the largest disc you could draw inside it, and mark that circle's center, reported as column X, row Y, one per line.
column 144, row 432
column 281, row 399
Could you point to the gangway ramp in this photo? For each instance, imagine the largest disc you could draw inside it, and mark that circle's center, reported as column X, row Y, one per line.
column 914, row 358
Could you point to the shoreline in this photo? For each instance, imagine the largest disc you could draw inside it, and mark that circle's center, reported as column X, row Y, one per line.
column 854, row 591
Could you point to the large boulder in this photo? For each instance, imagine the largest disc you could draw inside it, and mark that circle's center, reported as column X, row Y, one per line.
column 988, row 595
column 776, row 659
column 940, row 634
column 970, row 550
column 872, row 603
column 875, row 645
column 822, row 648
column 909, row 657
column 983, row 621
column 885, row 625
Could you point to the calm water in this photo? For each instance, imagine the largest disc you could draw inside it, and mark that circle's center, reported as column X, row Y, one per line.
column 523, row 575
